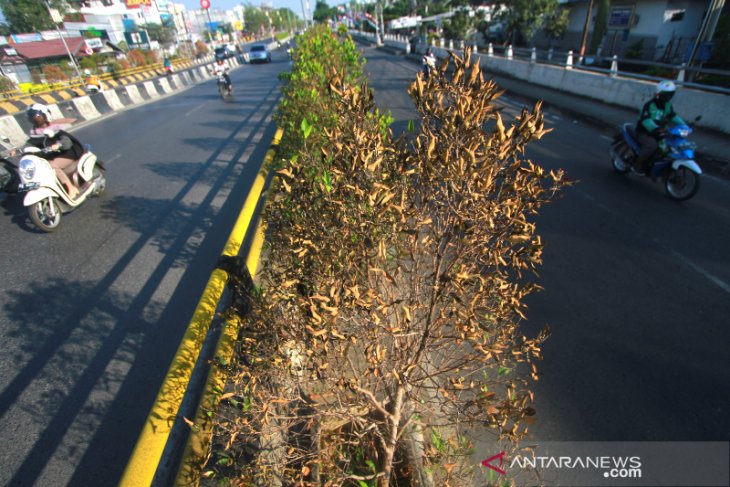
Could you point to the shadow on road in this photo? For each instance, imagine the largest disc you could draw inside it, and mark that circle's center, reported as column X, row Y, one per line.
column 93, row 358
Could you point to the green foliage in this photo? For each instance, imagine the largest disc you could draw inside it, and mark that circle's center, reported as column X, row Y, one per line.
column 164, row 34
column 523, row 18
column 458, row 25
column 323, row 12
column 24, row 16
column 635, row 50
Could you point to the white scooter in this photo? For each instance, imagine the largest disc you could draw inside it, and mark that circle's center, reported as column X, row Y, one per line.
column 46, row 197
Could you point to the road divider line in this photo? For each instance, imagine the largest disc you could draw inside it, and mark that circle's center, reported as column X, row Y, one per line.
column 147, row 453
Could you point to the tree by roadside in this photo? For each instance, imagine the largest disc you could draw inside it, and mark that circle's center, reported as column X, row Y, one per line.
column 523, row 18
column 28, row 15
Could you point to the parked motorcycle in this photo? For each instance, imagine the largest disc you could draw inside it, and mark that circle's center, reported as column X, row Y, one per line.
column 46, row 198
column 676, row 167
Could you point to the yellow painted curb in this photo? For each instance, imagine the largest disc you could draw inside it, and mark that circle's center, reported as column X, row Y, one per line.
column 199, row 442
column 145, row 458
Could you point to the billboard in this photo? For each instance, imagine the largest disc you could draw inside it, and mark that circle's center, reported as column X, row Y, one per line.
column 137, row 3
column 137, row 40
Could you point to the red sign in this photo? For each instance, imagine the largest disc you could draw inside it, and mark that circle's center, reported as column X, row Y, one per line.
column 205, row 4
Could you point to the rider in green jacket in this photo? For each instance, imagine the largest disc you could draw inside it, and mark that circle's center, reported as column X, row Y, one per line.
column 655, row 115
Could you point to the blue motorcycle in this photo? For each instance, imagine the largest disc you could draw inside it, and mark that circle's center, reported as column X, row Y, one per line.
column 676, row 165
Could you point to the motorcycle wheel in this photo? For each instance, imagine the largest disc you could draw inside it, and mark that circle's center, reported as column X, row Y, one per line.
column 40, row 215
column 682, row 183
column 101, row 177
column 618, row 163
column 222, row 90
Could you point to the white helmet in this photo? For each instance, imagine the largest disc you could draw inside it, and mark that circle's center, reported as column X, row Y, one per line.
column 666, row 86
column 87, row 72
column 38, row 108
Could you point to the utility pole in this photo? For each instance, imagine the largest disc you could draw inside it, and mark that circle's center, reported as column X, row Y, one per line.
column 304, row 14
column 54, row 19
column 707, row 30
column 586, row 26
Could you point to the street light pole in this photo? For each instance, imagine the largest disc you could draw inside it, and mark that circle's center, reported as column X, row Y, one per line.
column 587, row 25
column 68, row 51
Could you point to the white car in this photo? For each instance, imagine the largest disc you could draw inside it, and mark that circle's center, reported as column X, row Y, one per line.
column 259, row 53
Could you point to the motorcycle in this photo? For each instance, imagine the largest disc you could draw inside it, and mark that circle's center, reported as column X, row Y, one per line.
column 224, row 89
column 46, row 198
column 9, row 179
column 676, row 167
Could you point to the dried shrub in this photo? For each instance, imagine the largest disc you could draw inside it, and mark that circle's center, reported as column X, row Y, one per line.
column 390, row 302
column 136, row 58
column 54, row 74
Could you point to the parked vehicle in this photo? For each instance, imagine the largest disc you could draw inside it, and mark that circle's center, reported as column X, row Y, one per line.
column 676, row 167
column 259, row 53
column 46, row 198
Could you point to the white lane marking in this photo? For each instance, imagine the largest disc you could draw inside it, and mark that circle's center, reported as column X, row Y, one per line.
column 711, row 277
column 113, row 158
column 605, row 137
column 194, row 110
column 707, row 275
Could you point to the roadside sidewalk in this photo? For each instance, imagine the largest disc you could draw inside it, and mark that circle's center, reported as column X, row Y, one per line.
column 713, row 148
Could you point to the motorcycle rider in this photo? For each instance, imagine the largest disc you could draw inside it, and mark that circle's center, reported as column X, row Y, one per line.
column 651, row 130
column 66, row 149
column 93, row 83
column 222, row 69
column 428, row 62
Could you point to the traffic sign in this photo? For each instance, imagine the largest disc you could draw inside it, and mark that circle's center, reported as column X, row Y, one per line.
column 205, row 4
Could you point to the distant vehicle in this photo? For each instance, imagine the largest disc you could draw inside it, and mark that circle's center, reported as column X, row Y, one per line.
column 259, row 53
column 224, row 52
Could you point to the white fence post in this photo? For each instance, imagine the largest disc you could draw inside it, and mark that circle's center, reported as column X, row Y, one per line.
column 550, row 54
column 474, row 48
column 509, row 51
column 569, row 61
column 680, row 74
column 490, row 50
column 533, row 55
column 451, row 44
column 614, row 66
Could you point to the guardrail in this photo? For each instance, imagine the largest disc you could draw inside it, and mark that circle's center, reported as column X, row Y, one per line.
column 75, row 83
column 157, row 457
column 608, row 65
column 609, row 86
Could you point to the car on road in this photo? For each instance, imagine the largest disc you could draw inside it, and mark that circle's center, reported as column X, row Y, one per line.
column 259, row 53
column 224, row 52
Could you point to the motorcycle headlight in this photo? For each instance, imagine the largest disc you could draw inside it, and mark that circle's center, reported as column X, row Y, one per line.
column 684, row 132
column 26, row 169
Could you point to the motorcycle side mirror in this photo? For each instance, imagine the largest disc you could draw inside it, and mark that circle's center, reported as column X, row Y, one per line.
column 49, row 132
column 698, row 118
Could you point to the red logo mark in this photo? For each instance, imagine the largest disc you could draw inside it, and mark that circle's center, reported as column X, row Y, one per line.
column 488, row 463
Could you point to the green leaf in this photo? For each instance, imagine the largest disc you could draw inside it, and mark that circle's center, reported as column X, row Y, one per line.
column 363, row 483
column 371, row 465
column 306, row 128
column 411, row 126
column 327, row 181
column 503, row 370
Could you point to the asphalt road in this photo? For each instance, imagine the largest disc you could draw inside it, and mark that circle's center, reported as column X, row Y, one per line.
column 91, row 316
column 637, row 290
